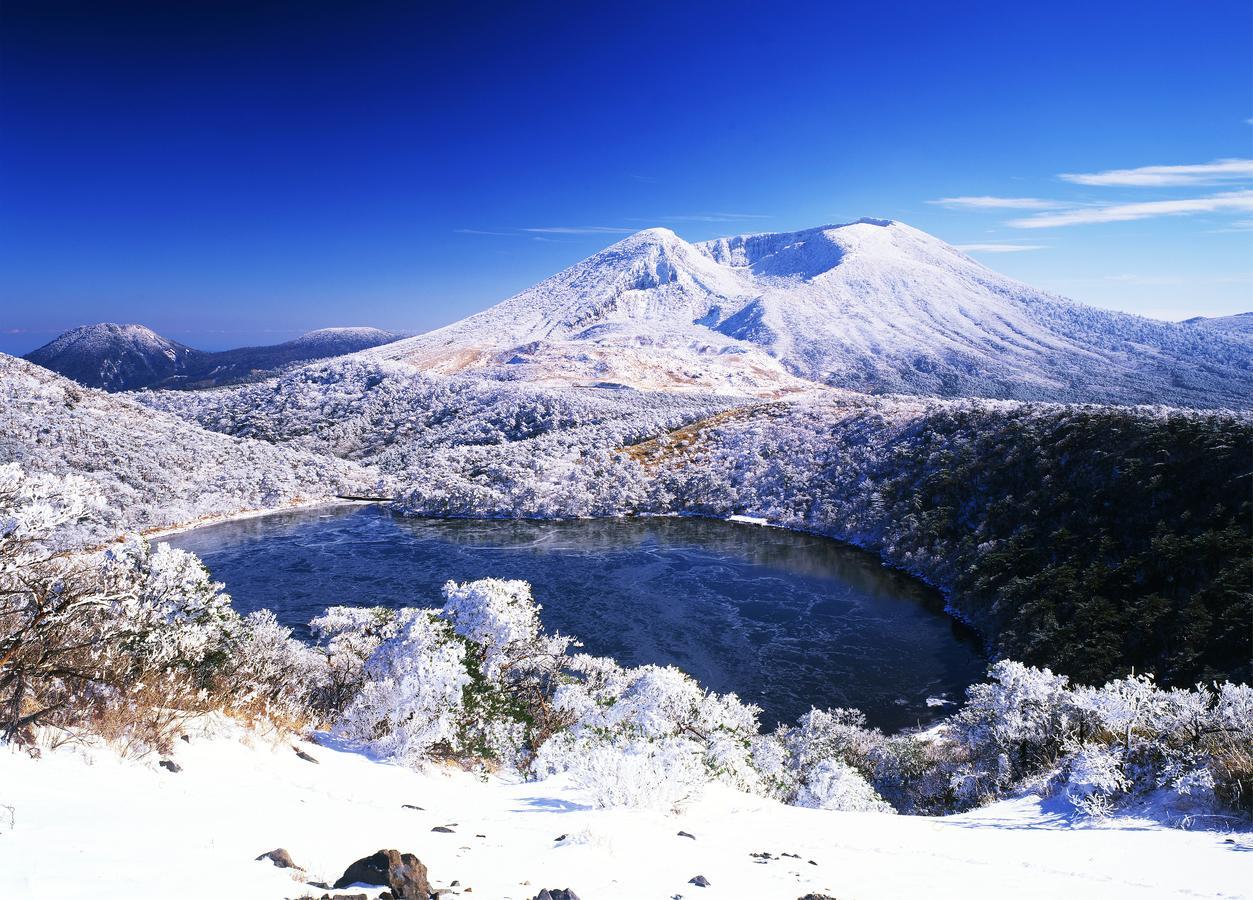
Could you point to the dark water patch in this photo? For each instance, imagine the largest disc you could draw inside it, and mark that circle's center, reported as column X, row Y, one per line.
column 785, row 620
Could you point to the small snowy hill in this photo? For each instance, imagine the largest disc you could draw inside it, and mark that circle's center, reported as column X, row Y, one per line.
column 129, row 357
column 115, row 357
column 872, row 306
column 1238, row 325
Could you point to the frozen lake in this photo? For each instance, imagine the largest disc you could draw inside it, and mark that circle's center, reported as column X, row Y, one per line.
column 785, row 620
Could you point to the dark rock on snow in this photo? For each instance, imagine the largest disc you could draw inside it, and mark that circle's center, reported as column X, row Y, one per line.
column 699, row 881
column 305, row 756
column 171, row 765
column 280, row 858
column 442, row 830
column 556, row 894
column 403, row 873
column 686, row 835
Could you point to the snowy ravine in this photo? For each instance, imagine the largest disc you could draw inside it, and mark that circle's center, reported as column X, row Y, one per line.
column 80, row 822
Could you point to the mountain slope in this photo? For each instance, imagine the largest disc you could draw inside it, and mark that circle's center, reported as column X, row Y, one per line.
column 129, row 357
column 153, row 467
column 1238, row 325
column 871, row 306
column 116, row 357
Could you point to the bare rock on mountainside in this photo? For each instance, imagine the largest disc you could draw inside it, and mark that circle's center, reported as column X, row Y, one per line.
column 403, row 873
column 872, row 306
column 130, row 357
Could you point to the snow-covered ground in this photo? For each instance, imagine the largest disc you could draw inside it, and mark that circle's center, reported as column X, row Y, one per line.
column 83, row 823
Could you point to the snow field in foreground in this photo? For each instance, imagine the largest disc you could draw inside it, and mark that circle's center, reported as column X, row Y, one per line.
column 86, row 824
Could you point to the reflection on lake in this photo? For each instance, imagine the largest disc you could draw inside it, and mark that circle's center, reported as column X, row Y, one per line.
column 785, row 620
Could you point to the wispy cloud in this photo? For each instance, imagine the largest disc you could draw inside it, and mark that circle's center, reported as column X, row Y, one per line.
column 1220, row 171
column 997, row 203
column 1171, row 280
column 579, row 229
column 999, row 248
column 1230, row 201
column 712, row 217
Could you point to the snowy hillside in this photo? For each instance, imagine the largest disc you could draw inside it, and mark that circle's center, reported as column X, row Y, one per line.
column 873, row 306
column 129, row 357
column 1240, row 325
column 152, row 467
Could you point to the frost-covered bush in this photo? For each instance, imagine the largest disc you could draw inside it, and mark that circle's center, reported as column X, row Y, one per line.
column 625, row 709
column 632, row 772
column 833, row 784
column 410, row 704
column 126, row 640
column 1018, row 722
column 473, row 680
column 1095, row 779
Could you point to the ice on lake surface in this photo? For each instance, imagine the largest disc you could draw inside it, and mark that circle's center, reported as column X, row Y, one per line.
column 785, row 620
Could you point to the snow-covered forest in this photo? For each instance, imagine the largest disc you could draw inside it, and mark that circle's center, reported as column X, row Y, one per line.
column 1135, row 553
column 153, row 468
column 131, row 642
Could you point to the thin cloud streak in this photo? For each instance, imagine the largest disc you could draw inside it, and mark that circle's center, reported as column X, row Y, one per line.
column 1220, row 171
column 1238, row 201
column 997, row 203
column 998, row 248
column 712, row 217
column 579, row 229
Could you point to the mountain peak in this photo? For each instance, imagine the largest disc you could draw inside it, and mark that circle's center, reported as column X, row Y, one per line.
column 872, row 305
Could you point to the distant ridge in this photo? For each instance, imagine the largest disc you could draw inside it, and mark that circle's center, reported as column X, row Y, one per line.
column 873, row 306
column 130, row 357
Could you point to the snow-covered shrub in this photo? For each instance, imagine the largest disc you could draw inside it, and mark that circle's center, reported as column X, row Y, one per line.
column 1020, row 719
column 348, row 636
column 178, row 617
column 834, row 784
column 1095, row 779
column 660, row 705
column 632, row 772
column 410, row 704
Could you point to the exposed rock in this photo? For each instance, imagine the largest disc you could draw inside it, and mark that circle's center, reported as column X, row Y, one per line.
column 816, row 897
column 305, row 756
column 687, row 835
column 556, row 894
column 699, row 881
column 403, row 873
column 411, row 806
column 171, row 765
column 442, row 829
column 280, row 858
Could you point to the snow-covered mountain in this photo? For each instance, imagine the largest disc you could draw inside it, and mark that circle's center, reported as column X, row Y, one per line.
column 116, row 357
column 873, row 306
column 129, row 357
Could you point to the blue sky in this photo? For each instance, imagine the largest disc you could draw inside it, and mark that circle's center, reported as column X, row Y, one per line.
column 233, row 173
